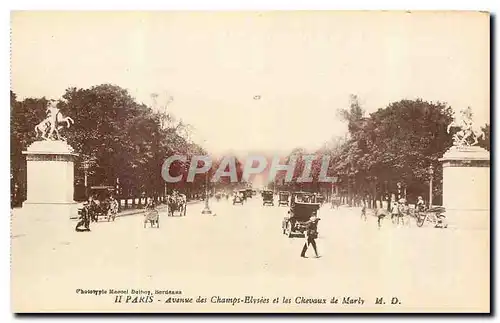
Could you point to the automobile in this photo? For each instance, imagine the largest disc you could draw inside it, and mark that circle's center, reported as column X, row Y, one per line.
column 268, row 198
column 299, row 214
column 239, row 197
column 284, row 198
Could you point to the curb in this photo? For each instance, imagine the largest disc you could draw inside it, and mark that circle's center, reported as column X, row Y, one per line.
column 138, row 211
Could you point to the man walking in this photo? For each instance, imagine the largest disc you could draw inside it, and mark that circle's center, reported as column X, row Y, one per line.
column 311, row 233
column 84, row 219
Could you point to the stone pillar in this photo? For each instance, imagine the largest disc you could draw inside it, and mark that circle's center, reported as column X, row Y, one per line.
column 466, row 187
column 50, row 180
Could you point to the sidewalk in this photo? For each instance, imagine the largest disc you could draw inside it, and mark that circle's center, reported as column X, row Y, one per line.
column 128, row 212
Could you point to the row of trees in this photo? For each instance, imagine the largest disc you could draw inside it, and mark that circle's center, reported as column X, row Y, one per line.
column 119, row 141
column 122, row 142
column 396, row 144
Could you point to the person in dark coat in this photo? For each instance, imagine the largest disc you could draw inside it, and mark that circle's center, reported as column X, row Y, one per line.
column 311, row 233
column 84, row 220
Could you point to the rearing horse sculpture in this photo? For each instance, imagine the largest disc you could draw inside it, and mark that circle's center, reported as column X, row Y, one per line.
column 52, row 124
column 467, row 131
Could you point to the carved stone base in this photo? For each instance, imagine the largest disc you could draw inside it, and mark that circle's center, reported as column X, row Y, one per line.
column 50, row 178
column 466, row 185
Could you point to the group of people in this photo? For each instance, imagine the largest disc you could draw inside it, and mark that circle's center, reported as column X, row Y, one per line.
column 398, row 209
column 91, row 210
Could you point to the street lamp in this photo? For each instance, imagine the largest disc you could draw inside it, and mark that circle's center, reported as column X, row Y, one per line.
column 206, row 210
column 86, row 165
column 431, row 177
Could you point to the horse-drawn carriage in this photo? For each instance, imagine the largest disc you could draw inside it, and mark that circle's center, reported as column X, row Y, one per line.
column 298, row 216
column 335, row 202
column 177, row 203
column 248, row 193
column 284, row 198
column 102, row 205
column 152, row 216
column 434, row 215
column 268, row 198
column 239, row 197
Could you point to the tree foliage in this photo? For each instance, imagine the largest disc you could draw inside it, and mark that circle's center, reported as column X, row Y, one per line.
column 117, row 137
column 394, row 144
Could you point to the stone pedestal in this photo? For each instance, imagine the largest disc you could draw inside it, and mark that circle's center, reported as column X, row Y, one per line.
column 466, row 187
column 50, row 180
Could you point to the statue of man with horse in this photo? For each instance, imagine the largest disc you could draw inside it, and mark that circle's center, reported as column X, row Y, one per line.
column 467, row 134
column 49, row 128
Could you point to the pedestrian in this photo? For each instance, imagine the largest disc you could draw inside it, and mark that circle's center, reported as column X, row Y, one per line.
column 380, row 213
column 311, row 234
column 150, row 204
column 84, row 219
column 420, row 204
column 363, row 210
column 395, row 211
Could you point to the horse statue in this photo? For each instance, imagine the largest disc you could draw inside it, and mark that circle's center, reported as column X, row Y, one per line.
column 468, row 134
column 52, row 124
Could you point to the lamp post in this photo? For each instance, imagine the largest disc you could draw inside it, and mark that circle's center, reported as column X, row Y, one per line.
column 86, row 165
column 431, row 177
column 206, row 210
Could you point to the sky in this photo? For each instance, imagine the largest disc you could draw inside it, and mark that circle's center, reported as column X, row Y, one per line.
column 258, row 81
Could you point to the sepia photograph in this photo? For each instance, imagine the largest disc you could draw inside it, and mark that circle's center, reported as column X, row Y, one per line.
column 250, row 161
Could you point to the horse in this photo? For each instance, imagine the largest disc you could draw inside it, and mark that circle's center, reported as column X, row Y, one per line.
column 335, row 203
column 97, row 209
column 467, row 130
column 50, row 125
column 402, row 216
column 113, row 210
column 42, row 128
column 380, row 213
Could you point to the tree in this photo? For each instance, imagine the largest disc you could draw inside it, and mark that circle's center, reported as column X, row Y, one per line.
column 124, row 140
column 394, row 144
column 353, row 115
column 399, row 143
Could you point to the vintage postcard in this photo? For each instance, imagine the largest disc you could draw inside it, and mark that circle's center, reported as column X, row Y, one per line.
column 271, row 162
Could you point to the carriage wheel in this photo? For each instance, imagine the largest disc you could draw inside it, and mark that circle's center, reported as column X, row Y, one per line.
column 420, row 220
